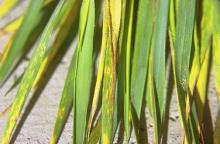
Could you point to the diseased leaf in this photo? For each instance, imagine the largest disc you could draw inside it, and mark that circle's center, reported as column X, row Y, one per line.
column 66, row 101
column 20, row 40
column 96, row 132
column 63, row 31
column 111, row 26
column 123, row 63
column 204, row 58
column 30, row 75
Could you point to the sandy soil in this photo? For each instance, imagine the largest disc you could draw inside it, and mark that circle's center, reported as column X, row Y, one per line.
column 38, row 126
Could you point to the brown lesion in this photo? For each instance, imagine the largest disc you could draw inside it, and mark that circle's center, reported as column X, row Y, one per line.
column 61, row 113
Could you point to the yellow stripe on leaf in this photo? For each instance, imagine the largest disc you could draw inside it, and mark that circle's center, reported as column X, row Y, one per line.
column 6, row 6
column 111, row 26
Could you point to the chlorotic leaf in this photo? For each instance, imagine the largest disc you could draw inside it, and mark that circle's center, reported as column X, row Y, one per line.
column 29, row 75
column 111, row 26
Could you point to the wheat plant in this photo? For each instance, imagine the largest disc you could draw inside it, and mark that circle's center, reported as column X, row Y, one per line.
column 129, row 57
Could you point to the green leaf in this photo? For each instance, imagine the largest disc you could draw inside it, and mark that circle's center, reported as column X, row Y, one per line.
column 159, row 45
column 159, row 64
column 125, row 59
column 143, row 36
column 151, row 101
column 83, row 71
column 182, row 53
